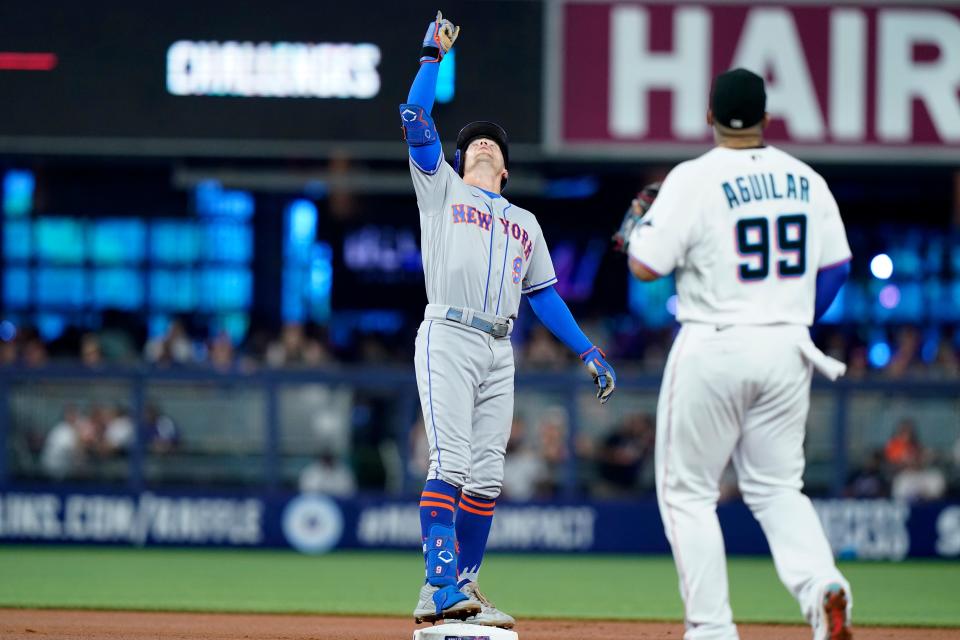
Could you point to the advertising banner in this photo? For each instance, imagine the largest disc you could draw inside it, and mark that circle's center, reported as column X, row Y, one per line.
column 864, row 529
column 851, row 81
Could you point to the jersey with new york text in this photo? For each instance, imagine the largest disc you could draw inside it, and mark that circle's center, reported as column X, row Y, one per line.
column 746, row 231
column 479, row 251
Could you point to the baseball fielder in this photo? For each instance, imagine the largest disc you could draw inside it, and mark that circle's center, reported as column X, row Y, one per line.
column 480, row 253
column 760, row 252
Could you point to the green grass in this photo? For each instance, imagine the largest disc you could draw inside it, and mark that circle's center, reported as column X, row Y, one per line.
column 574, row 586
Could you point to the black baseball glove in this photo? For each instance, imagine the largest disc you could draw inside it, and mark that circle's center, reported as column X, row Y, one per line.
column 638, row 208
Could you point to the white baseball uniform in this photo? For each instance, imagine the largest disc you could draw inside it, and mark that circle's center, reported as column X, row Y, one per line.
column 746, row 232
column 479, row 254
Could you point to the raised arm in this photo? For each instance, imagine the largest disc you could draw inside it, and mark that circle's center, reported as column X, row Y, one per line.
column 419, row 130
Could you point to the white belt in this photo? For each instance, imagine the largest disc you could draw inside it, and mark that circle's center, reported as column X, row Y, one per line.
column 494, row 325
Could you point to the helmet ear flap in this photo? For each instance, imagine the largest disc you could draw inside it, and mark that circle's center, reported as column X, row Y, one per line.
column 457, row 160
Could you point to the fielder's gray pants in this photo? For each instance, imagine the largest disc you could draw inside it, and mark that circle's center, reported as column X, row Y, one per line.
column 465, row 379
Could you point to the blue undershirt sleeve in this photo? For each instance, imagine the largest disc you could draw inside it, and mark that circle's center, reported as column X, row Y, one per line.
column 555, row 315
column 829, row 282
column 423, row 92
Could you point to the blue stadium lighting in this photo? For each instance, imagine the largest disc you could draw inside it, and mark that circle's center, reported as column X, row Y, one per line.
column 447, row 77
column 212, row 200
column 881, row 266
column 8, row 331
column 889, row 296
column 302, row 217
column 320, row 282
column 879, row 355
column 51, row 326
column 18, row 192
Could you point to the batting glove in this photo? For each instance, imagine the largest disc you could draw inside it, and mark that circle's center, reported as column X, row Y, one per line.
column 441, row 34
column 603, row 374
column 638, row 208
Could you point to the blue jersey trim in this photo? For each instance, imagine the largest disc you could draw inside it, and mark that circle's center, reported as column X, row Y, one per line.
column 490, row 257
column 540, row 285
column 506, row 249
column 433, row 418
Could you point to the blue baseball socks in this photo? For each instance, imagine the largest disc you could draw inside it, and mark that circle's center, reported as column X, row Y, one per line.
column 474, row 517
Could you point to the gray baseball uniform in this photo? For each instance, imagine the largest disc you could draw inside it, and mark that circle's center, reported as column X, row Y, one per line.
column 480, row 253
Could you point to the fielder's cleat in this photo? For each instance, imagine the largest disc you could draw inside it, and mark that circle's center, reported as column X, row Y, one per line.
column 439, row 603
column 489, row 615
column 833, row 621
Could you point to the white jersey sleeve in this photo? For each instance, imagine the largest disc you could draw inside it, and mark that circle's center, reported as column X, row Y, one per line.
column 834, row 248
column 539, row 273
column 661, row 240
column 430, row 185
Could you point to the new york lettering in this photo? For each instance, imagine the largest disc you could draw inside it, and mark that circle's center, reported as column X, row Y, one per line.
column 465, row 214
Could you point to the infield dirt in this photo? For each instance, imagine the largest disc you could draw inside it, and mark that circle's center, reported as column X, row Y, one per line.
column 52, row 624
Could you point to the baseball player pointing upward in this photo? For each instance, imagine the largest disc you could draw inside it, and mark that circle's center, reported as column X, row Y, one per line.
column 480, row 253
column 759, row 250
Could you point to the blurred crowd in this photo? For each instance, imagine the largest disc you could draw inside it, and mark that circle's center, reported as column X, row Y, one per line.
column 545, row 460
column 85, row 440
column 545, row 457
column 910, row 352
column 905, row 469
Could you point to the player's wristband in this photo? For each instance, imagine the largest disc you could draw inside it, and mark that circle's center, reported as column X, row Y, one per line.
column 586, row 354
column 430, row 54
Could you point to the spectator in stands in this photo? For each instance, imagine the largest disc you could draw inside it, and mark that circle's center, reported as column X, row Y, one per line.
column 857, row 364
column 946, row 364
column 9, row 352
column 221, row 353
column 625, row 452
column 161, row 434
column 295, row 347
column 172, row 348
column 34, row 352
column 919, row 481
column 372, row 349
column 118, row 431
column 903, row 446
column 288, row 349
column 91, row 353
column 915, row 477
column 329, row 475
column 418, row 454
column 544, row 351
column 66, row 445
column 315, row 353
column 870, row 481
column 906, row 358
column 523, row 469
column 553, row 450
